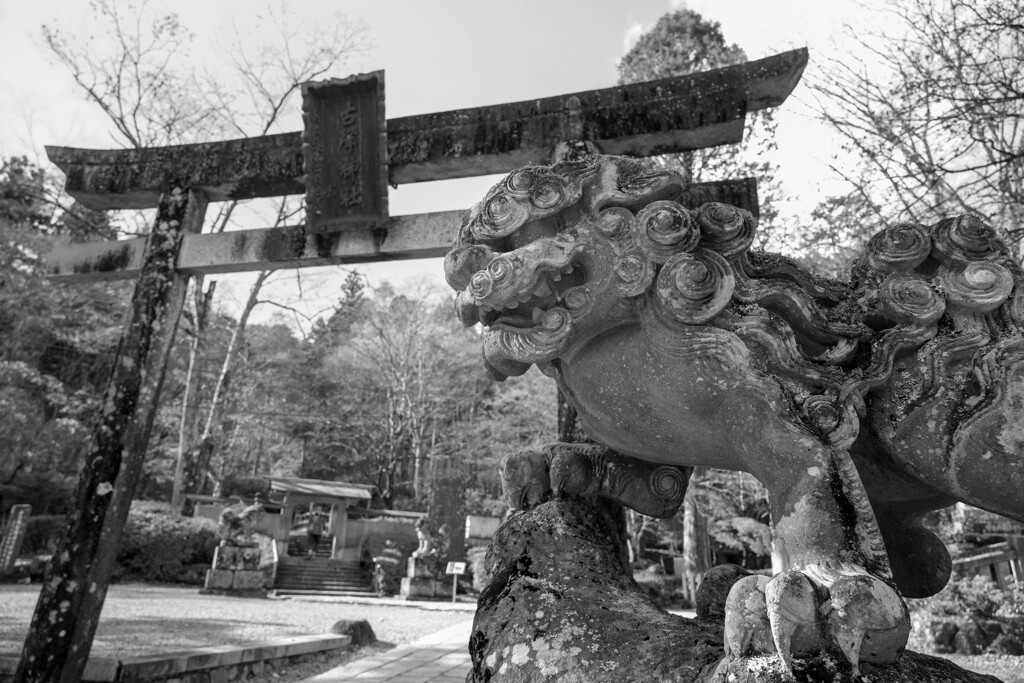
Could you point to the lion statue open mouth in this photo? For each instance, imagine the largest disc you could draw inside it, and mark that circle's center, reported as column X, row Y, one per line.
column 861, row 406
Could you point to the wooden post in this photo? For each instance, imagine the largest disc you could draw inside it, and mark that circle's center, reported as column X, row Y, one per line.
column 60, row 635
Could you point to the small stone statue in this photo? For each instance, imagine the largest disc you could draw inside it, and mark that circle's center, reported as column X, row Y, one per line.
column 236, row 563
column 860, row 405
column 426, row 539
column 236, row 528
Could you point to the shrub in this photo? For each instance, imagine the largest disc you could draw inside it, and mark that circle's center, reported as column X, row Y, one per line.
column 970, row 616
column 390, row 556
column 973, row 597
column 166, row 548
column 237, row 486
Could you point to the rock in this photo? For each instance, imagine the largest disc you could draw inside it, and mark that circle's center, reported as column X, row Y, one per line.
column 714, row 590
column 562, row 606
column 911, row 668
column 360, row 631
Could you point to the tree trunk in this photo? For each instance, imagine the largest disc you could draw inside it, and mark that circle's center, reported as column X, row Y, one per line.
column 417, row 464
column 68, row 611
column 696, row 544
column 188, row 433
column 569, row 428
column 209, row 440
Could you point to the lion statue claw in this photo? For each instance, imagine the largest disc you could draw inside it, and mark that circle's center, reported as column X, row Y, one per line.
column 861, row 405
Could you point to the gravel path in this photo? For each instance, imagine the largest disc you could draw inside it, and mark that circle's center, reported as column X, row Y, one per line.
column 140, row 619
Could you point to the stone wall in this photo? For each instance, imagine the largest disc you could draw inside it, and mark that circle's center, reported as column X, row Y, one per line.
column 205, row 665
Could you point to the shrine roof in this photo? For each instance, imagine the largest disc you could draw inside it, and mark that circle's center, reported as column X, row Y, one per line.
column 320, row 487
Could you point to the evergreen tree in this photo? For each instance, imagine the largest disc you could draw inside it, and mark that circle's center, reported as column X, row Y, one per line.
column 682, row 43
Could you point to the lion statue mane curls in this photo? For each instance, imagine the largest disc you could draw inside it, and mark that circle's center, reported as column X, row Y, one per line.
column 860, row 405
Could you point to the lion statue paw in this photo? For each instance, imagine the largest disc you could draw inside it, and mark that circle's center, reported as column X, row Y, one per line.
column 819, row 608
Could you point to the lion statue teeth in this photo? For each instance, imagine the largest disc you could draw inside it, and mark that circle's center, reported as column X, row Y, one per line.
column 861, row 406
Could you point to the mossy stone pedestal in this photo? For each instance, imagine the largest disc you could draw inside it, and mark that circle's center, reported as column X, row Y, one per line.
column 236, row 571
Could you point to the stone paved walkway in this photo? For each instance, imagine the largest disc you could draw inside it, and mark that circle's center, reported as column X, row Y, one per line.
column 441, row 657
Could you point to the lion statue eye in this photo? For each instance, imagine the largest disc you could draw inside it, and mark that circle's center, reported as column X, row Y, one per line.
column 521, row 181
column 481, row 285
column 499, row 209
column 547, row 194
column 499, row 270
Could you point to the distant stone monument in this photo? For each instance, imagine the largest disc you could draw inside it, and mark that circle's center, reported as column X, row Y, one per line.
column 860, row 405
column 236, row 560
column 422, row 574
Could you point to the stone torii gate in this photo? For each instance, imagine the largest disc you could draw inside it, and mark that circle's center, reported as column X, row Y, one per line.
column 342, row 162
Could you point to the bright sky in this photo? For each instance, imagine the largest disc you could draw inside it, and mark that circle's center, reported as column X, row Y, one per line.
column 438, row 55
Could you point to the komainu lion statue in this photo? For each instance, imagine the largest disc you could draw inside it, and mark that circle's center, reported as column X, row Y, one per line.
column 861, row 406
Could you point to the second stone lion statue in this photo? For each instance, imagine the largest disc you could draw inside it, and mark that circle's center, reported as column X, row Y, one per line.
column 860, row 405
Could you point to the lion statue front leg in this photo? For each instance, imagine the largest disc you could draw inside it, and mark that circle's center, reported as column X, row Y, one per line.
column 837, row 593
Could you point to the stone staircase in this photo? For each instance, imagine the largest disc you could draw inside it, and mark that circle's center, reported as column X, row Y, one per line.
column 298, row 546
column 320, row 576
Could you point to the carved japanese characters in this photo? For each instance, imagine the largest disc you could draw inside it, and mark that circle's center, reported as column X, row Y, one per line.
column 861, row 406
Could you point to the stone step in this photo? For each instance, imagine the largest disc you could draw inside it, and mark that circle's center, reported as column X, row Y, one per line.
column 318, row 569
column 303, row 588
column 337, row 593
column 329, row 590
column 318, row 561
column 305, row 581
column 292, row 583
column 298, row 546
column 345, row 575
column 319, row 576
column 320, row 564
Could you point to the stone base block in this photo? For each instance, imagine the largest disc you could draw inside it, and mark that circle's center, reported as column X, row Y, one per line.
column 237, row 557
column 246, row 580
column 219, row 579
column 419, row 568
column 418, row 588
column 239, row 582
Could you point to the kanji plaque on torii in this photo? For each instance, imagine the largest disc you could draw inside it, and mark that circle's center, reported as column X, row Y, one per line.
column 348, row 223
column 344, row 150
